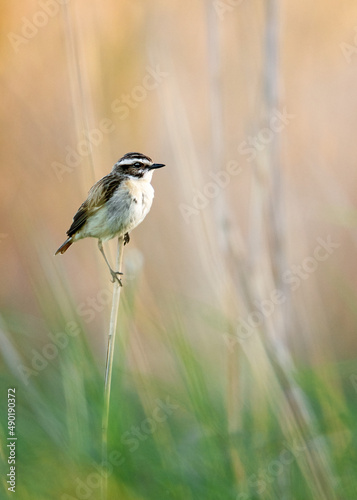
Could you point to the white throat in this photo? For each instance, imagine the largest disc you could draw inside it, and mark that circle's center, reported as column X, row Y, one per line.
column 146, row 177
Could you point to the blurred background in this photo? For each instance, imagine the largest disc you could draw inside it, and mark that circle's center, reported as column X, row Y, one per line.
column 235, row 370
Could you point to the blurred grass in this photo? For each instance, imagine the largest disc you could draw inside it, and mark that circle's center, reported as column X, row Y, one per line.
column 184, row 450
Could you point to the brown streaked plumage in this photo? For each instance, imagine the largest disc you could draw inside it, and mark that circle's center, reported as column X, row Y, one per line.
column 116, row 204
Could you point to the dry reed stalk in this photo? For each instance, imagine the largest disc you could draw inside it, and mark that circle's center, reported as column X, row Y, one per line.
column 79, row 85
column 109, row 366
column 293, row 409
column 222, row 230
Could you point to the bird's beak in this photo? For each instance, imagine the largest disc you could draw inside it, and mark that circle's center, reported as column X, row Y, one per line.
column 157, row 165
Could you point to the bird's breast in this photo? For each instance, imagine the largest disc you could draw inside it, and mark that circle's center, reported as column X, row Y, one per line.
column 129, row 205
column 141, row 193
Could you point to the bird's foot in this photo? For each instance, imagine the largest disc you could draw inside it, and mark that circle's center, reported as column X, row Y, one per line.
column 115, row 277
column 126, row 238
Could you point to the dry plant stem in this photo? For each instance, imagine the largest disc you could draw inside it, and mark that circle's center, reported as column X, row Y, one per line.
column 227, row 295
column 109, row 367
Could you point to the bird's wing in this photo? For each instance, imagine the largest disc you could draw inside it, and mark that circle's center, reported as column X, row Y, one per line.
column 98, row 195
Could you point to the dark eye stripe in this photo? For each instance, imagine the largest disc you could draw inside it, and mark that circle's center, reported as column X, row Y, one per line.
column 124, row 163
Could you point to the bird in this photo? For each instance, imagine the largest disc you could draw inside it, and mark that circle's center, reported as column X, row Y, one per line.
column 115, row 205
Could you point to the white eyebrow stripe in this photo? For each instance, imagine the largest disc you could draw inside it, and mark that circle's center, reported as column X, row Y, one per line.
column 126, row 161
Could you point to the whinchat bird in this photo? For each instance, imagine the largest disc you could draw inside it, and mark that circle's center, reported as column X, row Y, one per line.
column 116, row 204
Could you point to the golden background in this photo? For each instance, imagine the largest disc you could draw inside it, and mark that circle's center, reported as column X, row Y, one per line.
column 191, row 84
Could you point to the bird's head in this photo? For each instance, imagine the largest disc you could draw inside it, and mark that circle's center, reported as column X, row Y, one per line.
column 136, row 165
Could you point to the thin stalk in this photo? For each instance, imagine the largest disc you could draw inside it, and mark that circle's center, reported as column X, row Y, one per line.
column 221, row 217
column 109, row 367
column 316, row 463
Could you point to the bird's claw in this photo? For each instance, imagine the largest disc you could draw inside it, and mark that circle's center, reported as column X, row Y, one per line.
column 126, row 238
column 115, row 277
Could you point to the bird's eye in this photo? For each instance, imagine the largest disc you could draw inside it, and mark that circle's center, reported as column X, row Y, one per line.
column 137, row 164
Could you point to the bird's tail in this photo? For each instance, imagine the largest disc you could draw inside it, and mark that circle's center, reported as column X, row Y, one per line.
column 65, row 245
